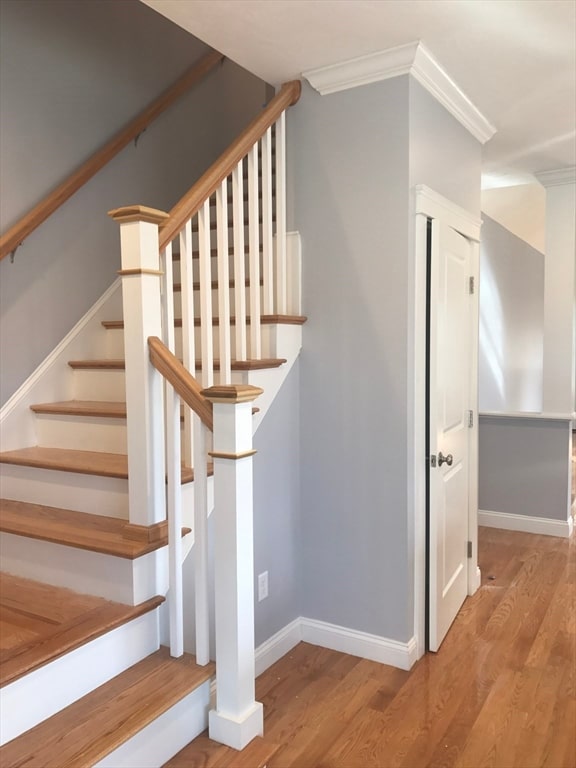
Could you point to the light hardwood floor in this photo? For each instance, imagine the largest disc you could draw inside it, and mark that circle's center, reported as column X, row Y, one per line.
column 501, row 691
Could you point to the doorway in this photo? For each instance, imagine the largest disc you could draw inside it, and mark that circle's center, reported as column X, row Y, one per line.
column 444, row 440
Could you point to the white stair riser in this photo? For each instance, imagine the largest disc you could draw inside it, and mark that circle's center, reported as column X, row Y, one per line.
column 99, row 384
column 214, row 266
column 115, row 343
column 85, row 493
column 82, row 433
column 93, row 573
column 40, row 694
column 178, row 302
column 165, row 736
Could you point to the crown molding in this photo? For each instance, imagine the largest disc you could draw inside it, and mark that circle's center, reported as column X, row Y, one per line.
column 413, row 59
column 557, row 177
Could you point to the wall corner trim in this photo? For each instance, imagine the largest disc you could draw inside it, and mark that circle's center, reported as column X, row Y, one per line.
column 414, row 59
column 540, row 525
column 557, row 177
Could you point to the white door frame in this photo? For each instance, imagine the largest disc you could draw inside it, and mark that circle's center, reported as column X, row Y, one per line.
column 429, row 204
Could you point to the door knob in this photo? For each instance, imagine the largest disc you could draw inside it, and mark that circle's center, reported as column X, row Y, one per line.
column 445, row 459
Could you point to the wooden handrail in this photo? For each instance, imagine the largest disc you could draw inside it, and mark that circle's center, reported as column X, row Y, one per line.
column 46, row 207
column 181, row 379
column 207, row 184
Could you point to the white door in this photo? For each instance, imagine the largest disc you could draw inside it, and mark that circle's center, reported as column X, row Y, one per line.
column 450, row 395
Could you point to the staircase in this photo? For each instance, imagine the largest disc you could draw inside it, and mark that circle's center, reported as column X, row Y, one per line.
column 89, row 505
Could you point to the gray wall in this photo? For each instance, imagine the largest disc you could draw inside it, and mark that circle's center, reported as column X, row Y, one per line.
column 277, row 525
column 525, row 467
column 443, row 155
column 72, row 74
column 354, row 156
column 511, row 321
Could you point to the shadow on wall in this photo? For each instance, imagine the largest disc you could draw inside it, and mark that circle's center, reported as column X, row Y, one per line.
column 511, row 322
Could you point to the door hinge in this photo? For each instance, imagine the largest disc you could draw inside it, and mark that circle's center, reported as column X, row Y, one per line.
column 470, row 419
column 469, row 549
column 471, row 284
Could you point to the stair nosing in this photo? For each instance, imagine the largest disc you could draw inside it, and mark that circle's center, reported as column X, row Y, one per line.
column 68, row 528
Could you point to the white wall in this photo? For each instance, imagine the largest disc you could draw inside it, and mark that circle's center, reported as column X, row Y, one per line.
column 71, row 75
column 511, row 322
column 521, row 210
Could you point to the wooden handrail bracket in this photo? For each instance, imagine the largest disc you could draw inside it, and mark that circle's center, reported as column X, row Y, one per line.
column 46, row 207
column 228, row 160
column 181, row 379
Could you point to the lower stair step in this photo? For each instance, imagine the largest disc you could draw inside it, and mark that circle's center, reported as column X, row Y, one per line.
column 79, row 462
column 96, row 533
column 100, row 723
column 41, row 623
column 210, row 754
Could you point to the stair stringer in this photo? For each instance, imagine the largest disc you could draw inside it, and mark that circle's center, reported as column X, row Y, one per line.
column 53, row 380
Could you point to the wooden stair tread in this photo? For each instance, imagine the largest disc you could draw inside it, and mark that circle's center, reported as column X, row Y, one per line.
column 88, row 730
column 264, row 320
column 79, row 462
column 114, row 410
column 95, row 533
column 99, row 616
column 237, row 365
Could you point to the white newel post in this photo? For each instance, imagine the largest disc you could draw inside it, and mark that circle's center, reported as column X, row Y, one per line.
column 141, row 276
column 238, row 717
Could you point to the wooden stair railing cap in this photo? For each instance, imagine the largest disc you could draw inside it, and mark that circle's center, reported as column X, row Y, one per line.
column 181, row 379
column 138, row 213
column 232, row 393
column 15, row 236
column 191, row 202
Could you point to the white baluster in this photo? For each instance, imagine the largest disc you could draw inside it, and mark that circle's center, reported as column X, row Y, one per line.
column 174, row 504
column 281, row 214
column 205, row 276
column 238, row 717
column 239, row 261
column 267, row 239
column 223, row 283
column 254, row 253
column 201, row 593
column 173, row 472
column 188, row 335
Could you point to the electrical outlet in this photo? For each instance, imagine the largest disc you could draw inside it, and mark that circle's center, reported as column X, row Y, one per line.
column 262, row 586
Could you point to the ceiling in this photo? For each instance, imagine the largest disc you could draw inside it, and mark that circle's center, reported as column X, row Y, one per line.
column 514, row 59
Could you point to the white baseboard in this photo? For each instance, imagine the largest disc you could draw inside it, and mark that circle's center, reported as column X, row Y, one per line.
column 278, row 645
column 540, row 525
column 362, row 644
column 367, row 646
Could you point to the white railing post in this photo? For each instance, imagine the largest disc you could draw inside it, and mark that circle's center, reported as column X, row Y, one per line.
column 238, row 717
column 142, row 318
